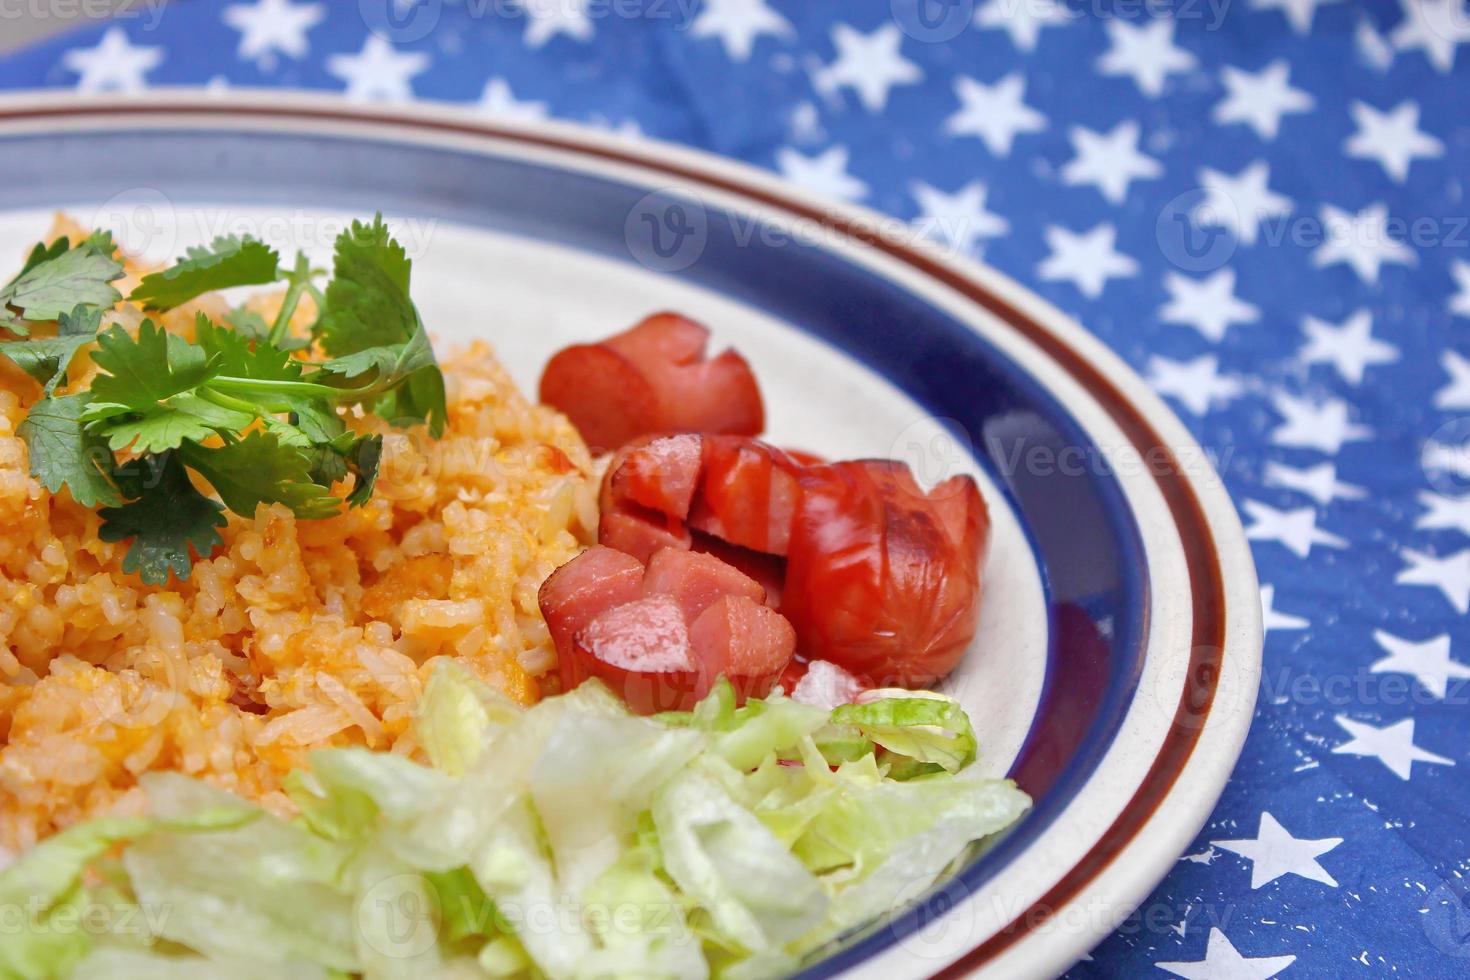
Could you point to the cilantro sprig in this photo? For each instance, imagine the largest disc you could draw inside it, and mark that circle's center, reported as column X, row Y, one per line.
column 241, row 409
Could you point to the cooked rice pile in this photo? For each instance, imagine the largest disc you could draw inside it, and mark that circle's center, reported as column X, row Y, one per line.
column 295, row 635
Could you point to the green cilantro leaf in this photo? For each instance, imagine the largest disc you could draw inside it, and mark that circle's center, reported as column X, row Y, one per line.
column 407, row 372
column 63, row 453
column 235, row 355
column 46, row 359
column 168, row 516
column 262, row 469
column 145, row 370
column 229, row 262
column 58, row 280
column 248, row 323
column 368, row 301
column 364, row 460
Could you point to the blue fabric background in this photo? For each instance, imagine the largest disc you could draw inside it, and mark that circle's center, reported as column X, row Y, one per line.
column 1340, row 847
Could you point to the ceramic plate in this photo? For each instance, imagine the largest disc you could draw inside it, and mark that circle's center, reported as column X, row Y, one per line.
column 1117, row 660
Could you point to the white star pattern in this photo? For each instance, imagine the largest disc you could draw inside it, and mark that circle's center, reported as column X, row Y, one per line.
column 271, row 26
column 959, row 219
column 114, row 65
column 498, row 100
column 545, row 19
column 994, row 113
column 825, row 173
column 1208, row 305
column 1196, row 384
column 1087, row 260
column 1349, row 346
column 1260, row 100
column 1451, row 575
column 1296, row 530
column 1109, row 162
column 1456, row 394
column 1271, row 619
column 1223, row 962
column 1392, row 138
column 1146, row 53
column 1240, row 203
column 1323, row 426
column 1372, row 46
column 870, row 63
column 1393, row 745
column 1438, row 27
column 1274, row 852
column 378, row 73
column 1299, row 13
column 1022, row 20
column 1318, row 482
column 1460, row 302
column 1362, row 241
column 1428, row 662
column 738, row 23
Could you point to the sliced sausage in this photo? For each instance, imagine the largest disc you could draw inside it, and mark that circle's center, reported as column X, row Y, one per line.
column 578, row 592
column 696, row 580
column 744, row 640
column 883, row 579
column 653, row 377
column 747, row 494
column 642, row 651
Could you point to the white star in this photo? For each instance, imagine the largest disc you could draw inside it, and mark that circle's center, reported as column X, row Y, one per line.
column 1147, row 53
column 1260, row 100
column 871, row 63
column 1437, row 26
column 957, row 219
column 1361, row 240
column 1393, row 745
column 825, row 173
column 1273, row 852
column 1023, row 19
column 114, row 65
column 1450, row 575
column 1223, row 962
column 1392, row 138
column 545, row 19
column 1273, row 620
column 1299, row 13
column 1372, row 46
column 1322, row 426
column 1456, row 394
column 498, row 100
column 1318, row 482
column 1195, row 384
column 1087, row 260
column 738, row 23
column 1428, row 662
column 1349, row 346
column 1239, row 203
column 995, row 113
column 378, row 73
column 1460, row 302
column 1109, row 162
column 1297, row 529
column 1208, row 305
column 270, row 26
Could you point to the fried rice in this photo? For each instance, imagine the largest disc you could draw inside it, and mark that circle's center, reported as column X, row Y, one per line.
column 294, row 635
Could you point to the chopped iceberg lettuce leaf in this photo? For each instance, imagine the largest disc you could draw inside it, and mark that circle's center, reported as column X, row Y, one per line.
column 567, row 841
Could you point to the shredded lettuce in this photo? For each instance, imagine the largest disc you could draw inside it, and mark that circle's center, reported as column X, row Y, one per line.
column 569, row 840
